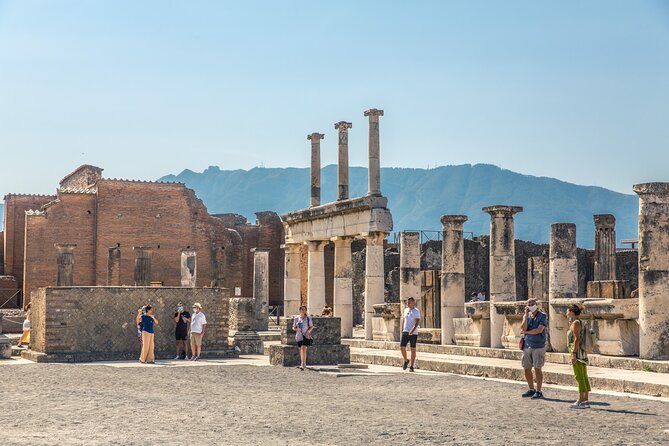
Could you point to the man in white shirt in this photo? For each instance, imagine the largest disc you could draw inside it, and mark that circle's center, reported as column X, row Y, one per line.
column 198, row 324
column 410, row 321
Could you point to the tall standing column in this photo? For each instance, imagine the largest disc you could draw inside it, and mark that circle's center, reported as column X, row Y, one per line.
column 374, row 278
column 452, row 275
column 409, row 268
column 315, row 139
column 343, row 284
column 188, row 268
column 261, row 287
column 316, row 277
column 374, row 171
column 342, row 165
column 114, row 267
column 142, row 265
column 65, row 259
column 292, row 279
column 502, row 265
column 653, row 270
column 605, row 247
column 563, row 279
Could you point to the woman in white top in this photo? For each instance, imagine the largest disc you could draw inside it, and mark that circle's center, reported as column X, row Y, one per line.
column 303, row 325
column 27, row 328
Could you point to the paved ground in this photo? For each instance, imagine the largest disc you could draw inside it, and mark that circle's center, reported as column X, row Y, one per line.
column 246, row 402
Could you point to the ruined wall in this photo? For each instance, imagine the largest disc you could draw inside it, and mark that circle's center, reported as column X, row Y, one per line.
column 226, row 257
column 271, row 236
column 8, row 292
column 83, row 177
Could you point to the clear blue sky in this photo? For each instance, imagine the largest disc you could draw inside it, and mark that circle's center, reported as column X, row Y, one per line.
column 576, row 90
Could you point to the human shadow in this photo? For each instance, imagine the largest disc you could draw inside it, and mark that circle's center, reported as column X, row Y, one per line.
column 626, row 412
column 592, row 403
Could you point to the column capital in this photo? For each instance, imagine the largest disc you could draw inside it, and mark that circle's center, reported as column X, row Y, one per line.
column 316, row 245
column 451, row 219
column 342, row 241
column 375, row 238
column 373, row 112
column 343, row 126
column 315, row 136
column 659, row 189
column 65, row 247
column 502, row 210
column 254, row 250
column 604, row 221
column 291, row 247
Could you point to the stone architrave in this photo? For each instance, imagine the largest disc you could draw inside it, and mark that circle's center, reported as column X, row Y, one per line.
column 142, row 265
column 65, row 259
column 374, row 278
column 563, row 280
column 605, row 247
column 292, row 279
column 316, row 277
column 653, row 270
column 374, row 171
column 452, row 275
column 188, row 268
column 315, row 139
column 409, row 269
column 502, row 265
column 114, row 267
column 343, row 284
column 261, row 287
column 342, row 164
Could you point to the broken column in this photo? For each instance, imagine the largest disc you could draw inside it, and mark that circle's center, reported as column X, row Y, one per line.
column 563, row 280
column 261, row 287
column 374, row 278
column 343, row 284
column 114, row 267
column 502, row 265
column 315, row 139
column 374, row 171
column 316, row 277
column 605, row 247
column 243, row 334
column 188, row 268
column 537, row 277
column 653, row 270
column 409, row 268
column 65, row 259
column 292, row 279
column 452, row 275
column 342, row 165
column 142, row 265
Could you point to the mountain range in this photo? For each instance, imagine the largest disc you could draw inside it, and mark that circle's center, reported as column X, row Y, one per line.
column 417, row 198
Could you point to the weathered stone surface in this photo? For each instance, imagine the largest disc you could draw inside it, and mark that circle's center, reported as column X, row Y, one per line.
column 374, row 278
column 409, row 268
column 374, row 170
column 188, row 267
column 563, row 281
column 261, row 287
column 5, row 347
column 292, row 280
column 452, row 275
column 609, row 289
column 315, row 139
column 289, row 355
column 327, row 330
column 248, row 342
column 386, row 322
column 342, row 159
column 343, row 285
column 605, row 247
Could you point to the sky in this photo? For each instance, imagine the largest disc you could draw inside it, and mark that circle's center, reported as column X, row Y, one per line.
column 575, row 90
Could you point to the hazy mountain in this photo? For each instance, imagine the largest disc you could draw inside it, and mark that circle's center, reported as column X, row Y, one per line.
column 418, row 197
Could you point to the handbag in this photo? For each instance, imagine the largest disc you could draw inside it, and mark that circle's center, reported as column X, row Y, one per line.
column 521, row 344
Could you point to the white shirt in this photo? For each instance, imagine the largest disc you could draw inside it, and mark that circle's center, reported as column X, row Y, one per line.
column 411, row 316
column 196, row 322
column 480, row 297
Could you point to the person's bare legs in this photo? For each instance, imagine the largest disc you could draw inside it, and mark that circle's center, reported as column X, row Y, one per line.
column 529, row 378
column 404, row 353
column 413, row 356
column 540, row 378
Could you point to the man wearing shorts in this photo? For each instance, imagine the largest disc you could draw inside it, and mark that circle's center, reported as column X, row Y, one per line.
column 198, row 325
column 534, row 329
column 410, row 321
column 182, row 318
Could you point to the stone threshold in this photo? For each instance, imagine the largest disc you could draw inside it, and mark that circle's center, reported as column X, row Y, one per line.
column 613, row 362
column 601, row 378
column 116, row 356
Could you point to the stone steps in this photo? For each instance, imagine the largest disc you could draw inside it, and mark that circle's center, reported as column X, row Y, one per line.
column 601, row 378
column 271, row 335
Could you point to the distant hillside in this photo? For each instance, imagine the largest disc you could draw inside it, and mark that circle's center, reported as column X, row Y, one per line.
column 418, row 197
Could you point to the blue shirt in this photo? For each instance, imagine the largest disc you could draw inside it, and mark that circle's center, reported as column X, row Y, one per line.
column 536, row 340
column 147, row 323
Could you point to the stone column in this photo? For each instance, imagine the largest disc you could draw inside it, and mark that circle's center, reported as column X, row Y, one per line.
column 291, row 280
column 188, row 268
column 316, row 277
column 142, row 265
column 342, row 165
column 452, row 275
column 343, row 284
column 374, row 171
column 374, row 278
column 114, row 267
column 563, row 279
column 502, row 265
column 65, row 259
column 261, row 287
column 409, row 269
column 653, row 270
column 537, row 277
column 315, row 139
column 605, row 247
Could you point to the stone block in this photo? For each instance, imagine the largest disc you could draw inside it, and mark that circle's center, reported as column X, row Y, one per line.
column 5, row 347
column 429, row 335
column 385, row 329
column 609, row 289
column 327, row 330
column 472, row 332
column 248, row 342
column 242, row 314
column 289, row 355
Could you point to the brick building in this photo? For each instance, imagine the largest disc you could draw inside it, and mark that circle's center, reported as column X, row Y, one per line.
column 108, row 218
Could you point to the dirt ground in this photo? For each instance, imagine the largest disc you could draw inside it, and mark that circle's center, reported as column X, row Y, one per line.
column 248, row 405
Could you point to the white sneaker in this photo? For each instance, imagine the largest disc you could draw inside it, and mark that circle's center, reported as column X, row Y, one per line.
column 186, row 358
column 176, row 357
column 585, row 404
column 579, row 405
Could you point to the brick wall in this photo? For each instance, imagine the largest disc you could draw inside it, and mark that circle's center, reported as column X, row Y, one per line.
column 82, row 177
column 271, row 236
column 93, row 323
column 227, row 255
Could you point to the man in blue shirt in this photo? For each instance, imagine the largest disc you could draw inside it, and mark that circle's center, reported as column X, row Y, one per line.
column 534, row 351
column 148, row 321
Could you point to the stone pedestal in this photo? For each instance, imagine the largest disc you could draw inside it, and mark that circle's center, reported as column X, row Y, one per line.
column 327, row 348
column 563, row 282
column 653, row 270
column 261, row 287
column 386, row 322
column 473, row 330
column 316, row 278
column 409, row 269
column 374, row 279
column 242, row 332
column 291, row 282
column 502, row 265
column 65, row 258
column 452, row 275
column 188, row 268
column 343, row 284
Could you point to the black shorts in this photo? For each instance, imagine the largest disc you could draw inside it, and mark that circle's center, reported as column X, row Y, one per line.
column 305, row 342
column 406, row 339
column 181, row 335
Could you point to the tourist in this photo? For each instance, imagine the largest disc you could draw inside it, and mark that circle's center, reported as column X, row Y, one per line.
column 303, row 326
column 182, row 318
column 579, row 357
column 474, row 296
column 410, row 322
column 138, row 324
column 533, row 344
column 198, row 326
column 482, row 295
column 27, row 328
column 148, row 322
